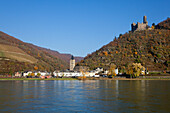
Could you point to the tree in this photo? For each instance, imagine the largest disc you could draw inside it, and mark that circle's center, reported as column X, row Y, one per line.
column 38, row 74
column 134, row 69
column 112, row 70
column 105, row 53
column 32, row 74
column 153, row 24
column 137, row 69
column 35, row 67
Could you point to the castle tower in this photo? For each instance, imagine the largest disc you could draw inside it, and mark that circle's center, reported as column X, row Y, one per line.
column 145, row 20
column 72, row 63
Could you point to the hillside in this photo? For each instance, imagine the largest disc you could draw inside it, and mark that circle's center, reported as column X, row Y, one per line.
column 149, row 47
column 16, row 55
column 164, row 25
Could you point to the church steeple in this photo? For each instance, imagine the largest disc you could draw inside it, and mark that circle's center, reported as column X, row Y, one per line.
column 72, row 57
column 72, row 63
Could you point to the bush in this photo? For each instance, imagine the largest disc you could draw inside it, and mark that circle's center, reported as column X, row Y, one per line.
column 158, row 55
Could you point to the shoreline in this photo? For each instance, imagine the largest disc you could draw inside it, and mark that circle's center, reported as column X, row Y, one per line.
column 14, row 79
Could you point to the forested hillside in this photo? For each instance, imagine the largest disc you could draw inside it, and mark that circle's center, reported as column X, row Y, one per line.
column 151, row 48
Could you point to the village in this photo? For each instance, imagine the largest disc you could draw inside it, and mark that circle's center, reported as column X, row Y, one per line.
column 74, row 72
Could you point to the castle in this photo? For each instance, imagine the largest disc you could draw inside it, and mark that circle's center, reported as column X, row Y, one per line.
column 140, row 26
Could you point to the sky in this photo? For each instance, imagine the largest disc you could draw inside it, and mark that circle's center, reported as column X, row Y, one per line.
column 77, row 27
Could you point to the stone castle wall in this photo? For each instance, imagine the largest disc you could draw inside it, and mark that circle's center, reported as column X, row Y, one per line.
column 139, row 26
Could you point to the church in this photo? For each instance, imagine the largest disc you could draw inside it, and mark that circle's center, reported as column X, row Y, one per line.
column 72, row 63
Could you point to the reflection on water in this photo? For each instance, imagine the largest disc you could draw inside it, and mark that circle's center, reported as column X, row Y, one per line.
column 85, row 96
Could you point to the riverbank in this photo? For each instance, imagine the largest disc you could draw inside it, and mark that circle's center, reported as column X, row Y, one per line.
column 127, row 79
column 92, row 78
column 38, row 79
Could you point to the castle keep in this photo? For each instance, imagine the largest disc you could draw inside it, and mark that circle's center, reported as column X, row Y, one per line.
column 140, row 26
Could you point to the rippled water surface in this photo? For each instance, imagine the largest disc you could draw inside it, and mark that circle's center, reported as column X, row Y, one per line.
column 85, row 96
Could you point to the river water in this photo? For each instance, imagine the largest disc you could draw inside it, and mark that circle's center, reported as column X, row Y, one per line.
column 112, row 96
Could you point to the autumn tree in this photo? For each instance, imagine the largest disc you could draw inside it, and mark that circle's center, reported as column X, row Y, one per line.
column 35, row 67
column 112, row 70
column 38, row 74
column 32, row 74
column 134, row 69
column 105, row 53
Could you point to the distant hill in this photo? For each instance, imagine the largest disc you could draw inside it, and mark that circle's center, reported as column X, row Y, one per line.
column 149, row 47
column 16, row 55
column 164, row 25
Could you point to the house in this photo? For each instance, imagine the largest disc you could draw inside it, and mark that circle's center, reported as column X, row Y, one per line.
column 81, row 68
column 99, row 69
column 116, row 71
column 38, row 73
column 18, row 74
column 26, row 73
column 90, row 73
column 42, row 73
column 67, row 74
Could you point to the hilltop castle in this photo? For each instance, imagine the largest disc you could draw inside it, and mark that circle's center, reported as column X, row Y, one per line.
column 140, row 26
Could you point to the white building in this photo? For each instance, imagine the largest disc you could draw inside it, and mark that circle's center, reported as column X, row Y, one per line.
column 35, row 73
column 18, row 74
column 90, row 73
column 99, row 69
column 67, row 74
column 42, row 73
column 27, row 73
column 116, row 71
column 73, row 74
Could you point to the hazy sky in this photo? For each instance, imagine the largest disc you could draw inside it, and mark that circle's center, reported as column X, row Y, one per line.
column 78, row 27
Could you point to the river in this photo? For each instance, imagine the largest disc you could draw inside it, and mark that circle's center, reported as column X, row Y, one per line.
column 114, row 96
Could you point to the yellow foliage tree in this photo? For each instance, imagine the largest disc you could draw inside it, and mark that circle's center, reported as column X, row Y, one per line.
column 38, row 55
column 112, row 70
column 135, row 69
column 153, row 27
column 38, row 74
column 129, row 70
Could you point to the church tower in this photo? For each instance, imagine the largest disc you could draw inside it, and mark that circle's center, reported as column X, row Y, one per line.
column 72, row 63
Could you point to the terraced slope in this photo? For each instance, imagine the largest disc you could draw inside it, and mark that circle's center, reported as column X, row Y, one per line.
column 16, row 54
